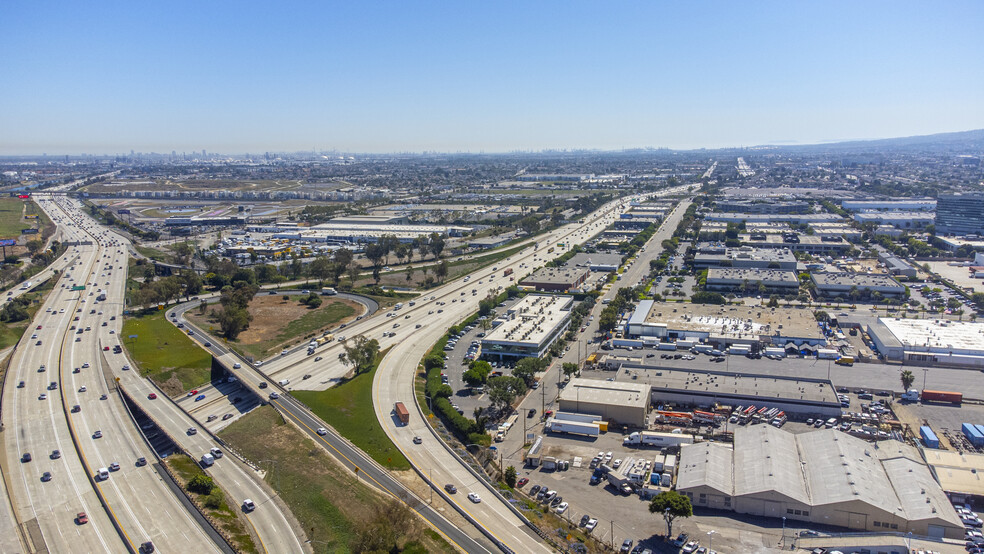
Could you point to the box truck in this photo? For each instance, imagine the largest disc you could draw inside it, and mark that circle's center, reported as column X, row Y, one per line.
column 401, row 413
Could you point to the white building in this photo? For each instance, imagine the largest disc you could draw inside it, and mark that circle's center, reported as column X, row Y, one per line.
column 930, row 341
column 529, row 327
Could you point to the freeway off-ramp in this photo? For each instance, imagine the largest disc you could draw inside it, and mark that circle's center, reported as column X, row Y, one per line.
column 504, row 527
column 394, row 382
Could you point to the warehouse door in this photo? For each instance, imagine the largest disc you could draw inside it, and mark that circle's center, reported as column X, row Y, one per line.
column 857, row 521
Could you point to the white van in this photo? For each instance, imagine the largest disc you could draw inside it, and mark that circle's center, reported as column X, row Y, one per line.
column 284, row 382
column 102, row 474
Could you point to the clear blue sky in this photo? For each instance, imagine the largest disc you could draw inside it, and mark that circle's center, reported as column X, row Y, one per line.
column 107, row 77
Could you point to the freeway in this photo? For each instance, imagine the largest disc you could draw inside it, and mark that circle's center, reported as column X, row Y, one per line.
column 130, row 507
column 347, row 454
column 271, row 521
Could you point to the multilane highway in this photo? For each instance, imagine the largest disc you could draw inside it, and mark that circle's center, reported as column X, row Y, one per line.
column 419, row 326
column 133, row 504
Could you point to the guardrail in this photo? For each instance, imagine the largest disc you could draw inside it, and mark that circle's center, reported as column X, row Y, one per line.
column 125, row 397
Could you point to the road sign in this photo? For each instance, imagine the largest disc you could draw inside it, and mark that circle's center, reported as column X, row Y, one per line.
column 132, row 336
column 78, row 287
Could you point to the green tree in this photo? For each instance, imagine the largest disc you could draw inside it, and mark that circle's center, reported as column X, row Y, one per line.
column 907, row 379
column 671, row 505
column 510, row 476
column 570, row 368
column 526, row 369
column 361, row 354
column 773, row 301
column 441, row 270
column 504, row 390
column 233, row 320
column 436, row 245
column 320, row 269
column 201, row 484
column 432, row 361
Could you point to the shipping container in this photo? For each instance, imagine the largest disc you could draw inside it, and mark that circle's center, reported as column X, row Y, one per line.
column 401, row 413
column 942, row 396
column 573, row 427
column 973, row 434
column 929, row 437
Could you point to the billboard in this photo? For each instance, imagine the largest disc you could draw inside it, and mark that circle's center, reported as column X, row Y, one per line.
column 23, row 196
column 8, row 242
column 123, row 211
column 29, row 231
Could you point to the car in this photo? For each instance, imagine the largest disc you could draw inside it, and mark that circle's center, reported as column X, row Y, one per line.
column 584, row 520
column 450, row 488
column 590, row 525
column 46, row 476
column 236, row 365
column 274, row 396
column 152, row 396
column 680, row 540
column 191, row 431
column 82, row 388
column 42, row 396
column 227, row 416
column 55, row 454
column 626, row 546
column 474, row 497
column 263, row 384
column 322, row 431
column 534, row 489
column 126, row 367
column 199, row 397
column 114, row 466
column 248, row 505
column 97, row 435
column 690, row 547
column 318, row 358
column 521, row 482
column 418, row 440
column 81, row 518
column 26, row 457
column 141, row 461
column 104, row 397
column 193, row 392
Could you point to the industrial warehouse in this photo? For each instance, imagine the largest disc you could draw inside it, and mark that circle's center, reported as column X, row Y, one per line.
column 703, row 388
column 930, row 341
column 625, row 403
column 723, row 326
column 823, row 477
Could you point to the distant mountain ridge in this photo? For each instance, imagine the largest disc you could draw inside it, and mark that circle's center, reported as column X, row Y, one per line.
column 961, row 140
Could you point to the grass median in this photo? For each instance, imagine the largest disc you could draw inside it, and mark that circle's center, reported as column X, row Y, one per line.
column 214, row 504
column 165, row 354
column 348, row 408
column 332, row 505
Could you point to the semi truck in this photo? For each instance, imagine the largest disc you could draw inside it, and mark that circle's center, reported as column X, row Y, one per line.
column 913, row 395
column 573, row 427
column 507, row 272
column 401, row 413
column 661, row 440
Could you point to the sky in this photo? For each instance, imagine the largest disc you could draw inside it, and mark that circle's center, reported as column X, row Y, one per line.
column 407, row 76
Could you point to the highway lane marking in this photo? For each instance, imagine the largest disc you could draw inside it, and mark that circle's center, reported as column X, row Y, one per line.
column 370, row 477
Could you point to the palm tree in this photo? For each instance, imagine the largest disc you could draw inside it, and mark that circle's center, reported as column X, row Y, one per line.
column 907, row 379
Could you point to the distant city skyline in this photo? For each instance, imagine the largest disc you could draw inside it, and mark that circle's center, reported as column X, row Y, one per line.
column 395, row 77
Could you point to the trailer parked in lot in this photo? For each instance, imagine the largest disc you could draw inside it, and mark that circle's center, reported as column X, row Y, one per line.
column 573, row 427
column 652, row 438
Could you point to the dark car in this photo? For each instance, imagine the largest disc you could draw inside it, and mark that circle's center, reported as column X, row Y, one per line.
column 26, row 457
column 451, row 488
column 531, row 413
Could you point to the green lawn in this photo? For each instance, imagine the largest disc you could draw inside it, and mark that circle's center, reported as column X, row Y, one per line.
column 11, row 217
column 165, row 354
column 219, row 510
column 348, row 408
column 153, row 253
column 331, row 505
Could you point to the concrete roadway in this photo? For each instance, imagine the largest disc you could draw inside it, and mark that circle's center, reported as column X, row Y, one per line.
column 496, row 518
column 269, row 521
column 135, row 496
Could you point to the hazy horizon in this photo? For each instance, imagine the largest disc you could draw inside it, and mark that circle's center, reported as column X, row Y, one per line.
column 427, row 77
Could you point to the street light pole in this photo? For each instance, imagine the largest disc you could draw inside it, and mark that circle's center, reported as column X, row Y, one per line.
column 783, row 532
column 710, row 539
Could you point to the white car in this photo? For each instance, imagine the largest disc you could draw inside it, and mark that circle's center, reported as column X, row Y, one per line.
column 474, row 497
column 322, row 431
column 561, row 508
column 690, row 547
column 590, row 525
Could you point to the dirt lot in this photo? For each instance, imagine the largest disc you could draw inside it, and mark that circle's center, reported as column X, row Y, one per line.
column 277, row 322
